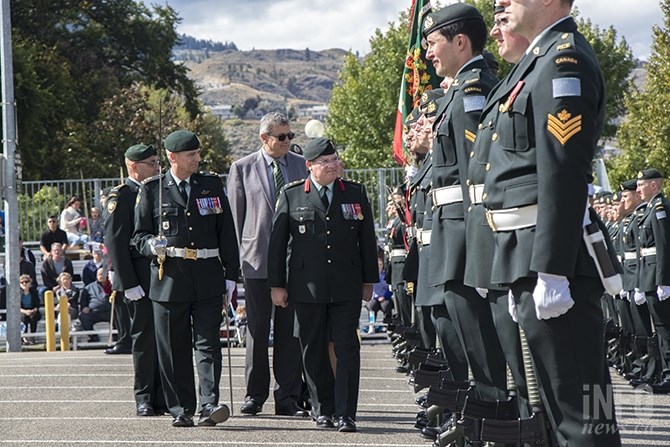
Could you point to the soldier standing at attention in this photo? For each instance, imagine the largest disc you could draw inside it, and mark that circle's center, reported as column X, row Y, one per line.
column 132, row 277
column 323, row 258
column 550, row 116
column 190, row 236
column 455, row 37
column 653, row 270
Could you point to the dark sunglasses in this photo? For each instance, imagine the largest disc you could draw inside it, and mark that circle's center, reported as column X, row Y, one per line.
column 282, row 136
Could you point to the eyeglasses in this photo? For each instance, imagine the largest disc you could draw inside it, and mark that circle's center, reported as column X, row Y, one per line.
column 24, row 282
column 149, row 163
column 501, row 22
column 327, row 161
column 283, row 136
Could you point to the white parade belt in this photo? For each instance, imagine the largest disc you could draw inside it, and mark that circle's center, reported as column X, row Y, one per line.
column 475, row 192
column 192, row 253
column 398, row 252
column 628, row 255
column 512, row 218
column 423, row 236
column 651, row 251
column 447, row 195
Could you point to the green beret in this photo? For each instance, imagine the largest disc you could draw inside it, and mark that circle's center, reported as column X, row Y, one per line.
column 317, row 147
column 628, row 185
column 456, row 12
column 429, row 101
column 649, row 174
column 139, row 152
column 413, row 117
column 182, row 140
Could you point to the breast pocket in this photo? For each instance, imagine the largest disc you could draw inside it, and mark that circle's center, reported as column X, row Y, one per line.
column 168, row 220
column 444, row 154
column 518, row 132
column 302, row 223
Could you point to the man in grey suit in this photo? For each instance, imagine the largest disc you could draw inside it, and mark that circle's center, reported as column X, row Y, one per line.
column 254, row 183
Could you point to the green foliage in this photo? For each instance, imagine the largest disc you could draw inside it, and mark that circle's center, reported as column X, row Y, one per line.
column 644, row 137
column 363, row 105
column 33, row 209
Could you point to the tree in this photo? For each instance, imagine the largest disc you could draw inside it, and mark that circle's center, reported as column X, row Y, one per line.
column 644, row 136
column 71, row 57
column 362, row 107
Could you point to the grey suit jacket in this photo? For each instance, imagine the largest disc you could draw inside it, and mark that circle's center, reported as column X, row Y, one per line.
column 253, row 207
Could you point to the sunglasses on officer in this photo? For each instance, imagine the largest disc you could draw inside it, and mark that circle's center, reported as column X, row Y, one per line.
column 283, row 136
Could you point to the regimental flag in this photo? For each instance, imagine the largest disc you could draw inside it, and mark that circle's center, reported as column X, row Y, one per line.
column 418, row 76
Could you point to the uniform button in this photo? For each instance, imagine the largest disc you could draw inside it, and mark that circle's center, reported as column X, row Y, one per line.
column 484, row 196
column 328, row 232
column 468, row 182
column 472, row 154
column 488, row 167
column 188, row 213
column 329, row 261
column 328, row 247
column 494, row 137
column 490, row 123
column 469, row 209
column 190, row 228
column 536, row 51
column 480, row 127
column 192, row 243
column 327, row 218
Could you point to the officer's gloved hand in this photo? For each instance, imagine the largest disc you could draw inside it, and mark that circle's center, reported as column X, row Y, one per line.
column 552, row 296
column 663, row 292
column 511, row 306
column 639, row 297
column 624, row 294
column 158, row 245
column 482, row 291
column 134, row 294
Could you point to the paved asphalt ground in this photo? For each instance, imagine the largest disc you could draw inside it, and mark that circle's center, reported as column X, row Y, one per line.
column 84, row 398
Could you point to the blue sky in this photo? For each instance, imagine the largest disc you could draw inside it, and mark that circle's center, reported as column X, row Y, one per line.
column 349, row 24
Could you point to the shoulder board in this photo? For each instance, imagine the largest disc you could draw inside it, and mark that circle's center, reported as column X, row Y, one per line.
column 151, row 179
column 208, row 174
column 472, row 76
column 565, row 41
column 295, row 183
column 348, row 180
column 117, row 188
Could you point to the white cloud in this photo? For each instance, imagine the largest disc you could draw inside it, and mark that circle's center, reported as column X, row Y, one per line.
column 349, row 24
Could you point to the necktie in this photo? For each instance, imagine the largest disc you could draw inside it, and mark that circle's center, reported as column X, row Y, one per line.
column 324, row 196
column 182, row 190
column 278, row 176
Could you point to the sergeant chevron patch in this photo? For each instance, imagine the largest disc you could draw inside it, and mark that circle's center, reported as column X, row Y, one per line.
column 470, row 136
column 564, row 127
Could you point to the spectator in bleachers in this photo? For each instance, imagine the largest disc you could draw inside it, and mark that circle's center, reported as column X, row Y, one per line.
column 89, row 271
column 70, row 221
column 26, row 254
column 53, row 266
column 94, row 303
column 72, row 292
column 30, row 307
column 382, row 298
column 51, row 235
column 96, row 226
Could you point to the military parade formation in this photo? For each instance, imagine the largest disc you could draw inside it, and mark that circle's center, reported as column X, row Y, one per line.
column 516, row 285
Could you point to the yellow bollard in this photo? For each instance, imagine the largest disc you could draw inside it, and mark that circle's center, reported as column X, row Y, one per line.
column 64, row 324
column 49, row 320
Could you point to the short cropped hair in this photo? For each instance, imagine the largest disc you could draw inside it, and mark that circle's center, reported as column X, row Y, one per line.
column 270, row 120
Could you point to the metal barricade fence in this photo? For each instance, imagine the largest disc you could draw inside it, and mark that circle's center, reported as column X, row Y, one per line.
column 40, row 199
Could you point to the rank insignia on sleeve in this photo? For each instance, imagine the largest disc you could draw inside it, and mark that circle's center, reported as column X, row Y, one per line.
column 563, row 126
column 470, row 136
column 111, row 206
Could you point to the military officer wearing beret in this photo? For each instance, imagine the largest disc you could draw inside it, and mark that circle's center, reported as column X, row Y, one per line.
column 455, row 37
column 550, row 111
column 323, row 258
column 184, row 224
column 654, row 265
column 132, row 277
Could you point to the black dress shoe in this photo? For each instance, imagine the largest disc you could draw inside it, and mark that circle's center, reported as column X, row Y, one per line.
column 116, row 349
column 324, row 422
column 430, row 433
column 660, row 388
column 631, row 376
column 639, row 382
column 291, row 410
column 145, row 409
column 346, row 424
column 183, row 420
column 251, row 407
column 213, row 414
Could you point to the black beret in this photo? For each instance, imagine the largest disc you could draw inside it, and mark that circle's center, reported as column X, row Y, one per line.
column 182, row 140
column 413, row 116
column 629, row 185
column 456, row 12
column 317, row 147
column 649, row 174
column 139, row 152
column 497, row 9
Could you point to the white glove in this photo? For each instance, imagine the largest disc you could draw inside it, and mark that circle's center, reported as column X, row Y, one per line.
column 482, row 291
column 134, row 294
column 110, row 276
column 663, row 292
column 639, row 297
column 158, row 245
column 623, row 294
column 552, row 296
column 230, row 288
column 511, row 306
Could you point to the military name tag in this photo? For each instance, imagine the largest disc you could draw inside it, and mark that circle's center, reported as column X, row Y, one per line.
column 209, row 205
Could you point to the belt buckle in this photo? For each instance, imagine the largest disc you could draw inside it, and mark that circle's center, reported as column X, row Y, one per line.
column 190, row 253
column 489, row 220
